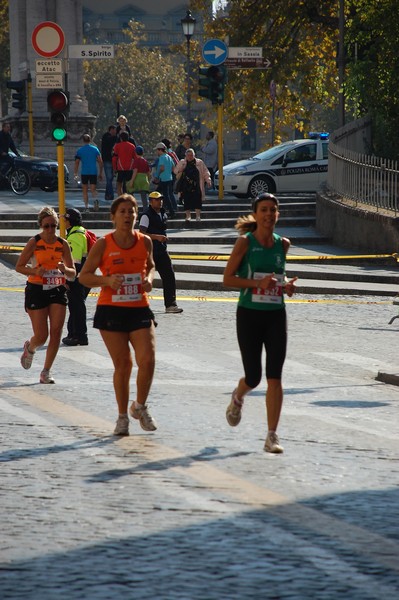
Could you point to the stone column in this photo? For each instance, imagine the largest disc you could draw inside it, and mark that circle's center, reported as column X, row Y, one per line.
column 24, row 16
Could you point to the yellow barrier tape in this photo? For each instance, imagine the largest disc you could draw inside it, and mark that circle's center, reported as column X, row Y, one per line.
column 224, row 257
column 11, row 248
column 234, row 298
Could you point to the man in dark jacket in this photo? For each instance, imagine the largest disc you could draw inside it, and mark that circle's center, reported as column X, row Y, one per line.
column 153, row 224
column 108, row 142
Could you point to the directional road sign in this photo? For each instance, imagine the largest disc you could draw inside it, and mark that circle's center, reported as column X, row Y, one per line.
column 251, row 52
column 247, row 63
column 214, row 52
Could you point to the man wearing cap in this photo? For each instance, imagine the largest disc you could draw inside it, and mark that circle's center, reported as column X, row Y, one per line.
column 153, row 224
column 164, row 178
column 77, row 293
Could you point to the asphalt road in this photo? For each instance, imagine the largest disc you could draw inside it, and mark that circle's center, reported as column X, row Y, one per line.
column 197, row 510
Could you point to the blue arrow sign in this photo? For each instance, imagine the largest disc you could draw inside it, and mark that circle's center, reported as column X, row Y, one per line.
column 214, row 52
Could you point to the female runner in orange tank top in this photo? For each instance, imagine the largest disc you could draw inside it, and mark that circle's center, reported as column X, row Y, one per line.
column 47, row 261
column 123, row 315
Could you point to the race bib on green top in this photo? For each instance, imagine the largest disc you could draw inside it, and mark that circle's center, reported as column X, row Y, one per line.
column 271, row 296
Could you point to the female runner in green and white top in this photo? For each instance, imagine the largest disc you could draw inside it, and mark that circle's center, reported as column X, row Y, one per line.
column 257, row 267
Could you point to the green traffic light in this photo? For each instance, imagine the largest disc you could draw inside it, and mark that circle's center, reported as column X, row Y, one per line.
column 59, row 134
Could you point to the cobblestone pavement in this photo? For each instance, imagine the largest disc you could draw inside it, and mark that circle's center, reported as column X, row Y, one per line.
column 197, row 510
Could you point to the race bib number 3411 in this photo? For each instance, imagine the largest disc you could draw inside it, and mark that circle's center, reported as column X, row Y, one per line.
column 131, row 289
column 272, row 296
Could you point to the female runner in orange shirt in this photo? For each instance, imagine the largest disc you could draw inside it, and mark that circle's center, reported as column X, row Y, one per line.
column 123, row 315
column 47, row 261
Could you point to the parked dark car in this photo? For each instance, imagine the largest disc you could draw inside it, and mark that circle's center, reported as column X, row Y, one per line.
column 43, row 171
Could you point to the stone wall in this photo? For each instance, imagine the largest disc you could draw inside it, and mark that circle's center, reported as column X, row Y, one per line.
column 356, row 228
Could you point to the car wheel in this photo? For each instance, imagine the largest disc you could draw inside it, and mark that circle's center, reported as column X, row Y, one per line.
column 20, row 181
column 260, row 185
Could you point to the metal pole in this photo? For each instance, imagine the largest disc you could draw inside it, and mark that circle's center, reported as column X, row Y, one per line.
column 30, row 116
column 61, row 186
column 341, row 65
column 188, row 87
column 220, row 150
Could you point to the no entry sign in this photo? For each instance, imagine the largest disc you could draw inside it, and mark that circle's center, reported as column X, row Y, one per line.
column 48, row 39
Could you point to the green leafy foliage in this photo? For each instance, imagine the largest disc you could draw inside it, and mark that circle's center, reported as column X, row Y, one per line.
column 148, row 86
column 373, row 69
column 299, row 40
column 299, row 37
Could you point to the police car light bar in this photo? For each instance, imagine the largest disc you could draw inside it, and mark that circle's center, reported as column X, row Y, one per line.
column 318, row 135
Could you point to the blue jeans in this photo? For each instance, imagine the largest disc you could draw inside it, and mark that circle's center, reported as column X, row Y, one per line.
column 109, row 177
column 166, row 189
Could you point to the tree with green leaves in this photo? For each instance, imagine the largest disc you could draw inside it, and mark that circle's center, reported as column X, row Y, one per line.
column 300, row 38
column 150, row 88
column 372, row 83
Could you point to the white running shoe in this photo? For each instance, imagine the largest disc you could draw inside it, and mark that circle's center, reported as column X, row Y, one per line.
column 234, row 410
column 27, row 356
column 46, row 377
column 146, row 421
column 122, row 425
column 272, row 443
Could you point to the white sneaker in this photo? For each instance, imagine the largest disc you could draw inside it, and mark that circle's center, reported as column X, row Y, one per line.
column 122, row 425
column 142, row 414
column 46, row 377
column 27, row 356
column 272, row 443
column 234, row 410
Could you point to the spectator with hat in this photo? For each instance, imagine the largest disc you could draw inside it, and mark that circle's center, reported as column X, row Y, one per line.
column 153, row 223
column 164, row 178
column 76, row 292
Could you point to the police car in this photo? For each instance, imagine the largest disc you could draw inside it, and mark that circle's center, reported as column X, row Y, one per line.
column 296, row 166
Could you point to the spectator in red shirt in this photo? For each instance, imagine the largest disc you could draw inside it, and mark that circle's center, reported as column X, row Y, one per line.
column 122, row 162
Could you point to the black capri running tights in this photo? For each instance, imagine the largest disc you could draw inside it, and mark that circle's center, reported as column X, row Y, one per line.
column 256, row 328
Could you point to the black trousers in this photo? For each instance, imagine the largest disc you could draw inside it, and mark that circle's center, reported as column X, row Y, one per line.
column 163, row 265
column 77, row 325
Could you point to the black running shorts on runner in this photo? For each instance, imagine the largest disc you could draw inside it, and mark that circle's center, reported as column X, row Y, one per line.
column 123, row 318
column 36, row 297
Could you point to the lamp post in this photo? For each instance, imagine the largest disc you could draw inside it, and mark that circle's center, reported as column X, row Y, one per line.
column 188, row 25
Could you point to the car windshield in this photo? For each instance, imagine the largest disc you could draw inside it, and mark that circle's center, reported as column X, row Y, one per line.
column 21, row 153
column 272, row 152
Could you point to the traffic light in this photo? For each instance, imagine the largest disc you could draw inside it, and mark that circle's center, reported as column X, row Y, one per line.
column 204, row 83
column 20, row 96
column 212, row 83
column 58, row 106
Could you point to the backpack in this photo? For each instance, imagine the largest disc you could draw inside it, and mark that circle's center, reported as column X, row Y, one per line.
column 91, row 239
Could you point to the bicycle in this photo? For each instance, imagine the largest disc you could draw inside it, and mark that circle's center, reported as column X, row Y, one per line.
column 18, row 179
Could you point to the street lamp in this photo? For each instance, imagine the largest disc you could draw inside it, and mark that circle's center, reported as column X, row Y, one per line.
column 188, row 25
